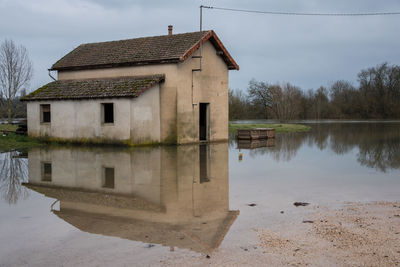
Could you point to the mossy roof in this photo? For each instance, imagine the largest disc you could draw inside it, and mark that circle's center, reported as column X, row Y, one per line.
column 95, row 88
column 139, row 51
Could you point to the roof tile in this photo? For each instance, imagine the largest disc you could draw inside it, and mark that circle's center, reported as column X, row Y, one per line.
column 94, row 88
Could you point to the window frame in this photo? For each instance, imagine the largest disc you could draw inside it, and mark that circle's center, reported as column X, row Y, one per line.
column 42, row 111
column 103, row 113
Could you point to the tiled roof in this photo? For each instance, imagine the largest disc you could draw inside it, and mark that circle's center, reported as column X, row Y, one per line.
column 94, row 88
column 147, row 50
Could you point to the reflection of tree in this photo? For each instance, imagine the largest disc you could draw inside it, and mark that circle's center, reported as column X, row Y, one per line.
column 286, row 146
column 383, row 156
column 13, row 171
column 378, row 143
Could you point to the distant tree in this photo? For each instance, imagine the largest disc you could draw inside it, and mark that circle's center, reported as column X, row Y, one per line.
column 345, row 100
column 380, row 91
column 321, row 103
column 240, row 107
column 280, row 102
column 260, row 93
column 15, row 73
column 286, row 101
column 376, row 96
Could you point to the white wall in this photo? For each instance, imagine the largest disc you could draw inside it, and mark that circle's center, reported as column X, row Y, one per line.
column 135, row 119
column 145, row 118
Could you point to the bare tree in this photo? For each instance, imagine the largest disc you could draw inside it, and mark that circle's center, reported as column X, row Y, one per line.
column 260, row 94
column 282, row 102
column 15, row 73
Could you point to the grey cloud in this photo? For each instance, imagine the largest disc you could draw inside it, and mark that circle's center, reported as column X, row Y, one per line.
column 306, row 51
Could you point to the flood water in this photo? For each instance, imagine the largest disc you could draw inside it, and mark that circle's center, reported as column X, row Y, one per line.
column 113, row 206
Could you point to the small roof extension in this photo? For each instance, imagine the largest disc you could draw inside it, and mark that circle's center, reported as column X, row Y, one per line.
column 172, row 48
column 95, row 88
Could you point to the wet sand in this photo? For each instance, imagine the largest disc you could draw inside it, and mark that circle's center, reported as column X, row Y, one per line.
column 356, row 234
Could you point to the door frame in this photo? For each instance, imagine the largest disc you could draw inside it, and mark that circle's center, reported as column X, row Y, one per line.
column 204, row 108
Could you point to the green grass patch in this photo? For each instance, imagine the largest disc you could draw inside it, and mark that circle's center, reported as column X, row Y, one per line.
column 8, row 127
column 14, row 141
column 279, row 128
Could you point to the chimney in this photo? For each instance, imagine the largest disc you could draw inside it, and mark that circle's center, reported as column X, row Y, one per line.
column 169, row 29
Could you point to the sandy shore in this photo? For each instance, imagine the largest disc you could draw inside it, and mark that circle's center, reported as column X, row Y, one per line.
column 357, row 234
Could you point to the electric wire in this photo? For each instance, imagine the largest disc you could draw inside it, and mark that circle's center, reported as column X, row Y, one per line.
column 301, row 13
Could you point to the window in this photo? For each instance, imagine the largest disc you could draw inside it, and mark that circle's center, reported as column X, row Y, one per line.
column 108, row 181
column 46, row 172
column 45, row 115
column 108, row 112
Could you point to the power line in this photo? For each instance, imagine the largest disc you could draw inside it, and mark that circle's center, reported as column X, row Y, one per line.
column 301, row 13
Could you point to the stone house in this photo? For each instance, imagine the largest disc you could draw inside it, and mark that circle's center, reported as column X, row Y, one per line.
column 162, row 89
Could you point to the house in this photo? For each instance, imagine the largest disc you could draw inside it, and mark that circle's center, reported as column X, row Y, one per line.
column 177, row 196
column 162, row 89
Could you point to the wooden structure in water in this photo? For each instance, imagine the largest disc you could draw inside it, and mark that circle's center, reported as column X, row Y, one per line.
column 251, row 144
column 255, row 133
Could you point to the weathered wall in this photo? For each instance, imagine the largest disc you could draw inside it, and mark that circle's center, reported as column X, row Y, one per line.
column 167, row 89
column 179, row 118
column 80, row 119
column 209, row 86
column 146, row 117
column 83, row 119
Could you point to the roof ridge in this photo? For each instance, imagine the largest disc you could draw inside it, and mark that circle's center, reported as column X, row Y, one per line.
column 144, row 37
column 137, row 77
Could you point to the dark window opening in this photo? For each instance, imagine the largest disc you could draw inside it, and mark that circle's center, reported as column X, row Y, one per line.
column 204, row 164
column 46, row 172
column 108, row 178
column 203, row 121
column 46, row 115
column 108, row 109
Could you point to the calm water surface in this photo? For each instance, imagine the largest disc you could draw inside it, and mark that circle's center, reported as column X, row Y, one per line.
column 92, row 206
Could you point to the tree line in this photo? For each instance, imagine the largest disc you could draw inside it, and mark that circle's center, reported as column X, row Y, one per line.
column 377, row 96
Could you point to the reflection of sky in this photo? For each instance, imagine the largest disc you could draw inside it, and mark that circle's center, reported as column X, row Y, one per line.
column 310, row 174
column 29, row 231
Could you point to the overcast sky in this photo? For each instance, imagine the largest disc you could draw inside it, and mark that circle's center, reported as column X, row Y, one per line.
column 306, row 51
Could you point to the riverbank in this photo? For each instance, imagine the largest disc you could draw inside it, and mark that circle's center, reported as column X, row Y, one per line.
column 12, row 141
column 279, row 128
column 356, row 234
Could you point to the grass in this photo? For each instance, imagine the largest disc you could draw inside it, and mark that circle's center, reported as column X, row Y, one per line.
column 14, row 141
column 279, row 128
column 8, row 127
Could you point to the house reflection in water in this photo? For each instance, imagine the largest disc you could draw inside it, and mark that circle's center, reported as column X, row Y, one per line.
column 177, row 196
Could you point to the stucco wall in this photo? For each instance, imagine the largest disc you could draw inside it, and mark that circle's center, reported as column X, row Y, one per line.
column 179, row 118
column 167, row 89
column 83, row 118
column 145, row 117
column 209, row 86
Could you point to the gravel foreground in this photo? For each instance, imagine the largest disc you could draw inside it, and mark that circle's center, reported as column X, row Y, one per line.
column 357, row 234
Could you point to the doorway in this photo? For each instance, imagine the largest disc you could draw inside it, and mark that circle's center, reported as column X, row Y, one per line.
column 204, row 121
